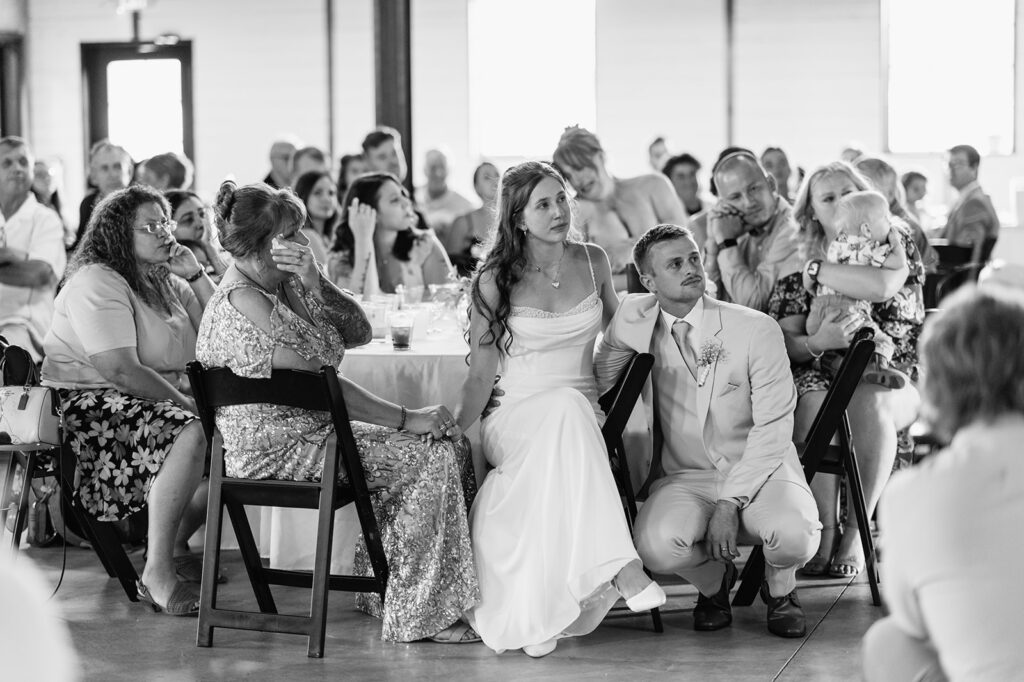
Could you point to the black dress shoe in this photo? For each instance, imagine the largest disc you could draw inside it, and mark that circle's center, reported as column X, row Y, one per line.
column 715, row 612
column 785, row 615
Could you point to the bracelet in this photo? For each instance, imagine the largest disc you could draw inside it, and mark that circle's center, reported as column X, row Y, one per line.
column 401, row 424
column 807, row 345
column 196, row 276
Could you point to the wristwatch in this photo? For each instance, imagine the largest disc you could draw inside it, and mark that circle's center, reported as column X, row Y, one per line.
column 812, row 270
column 726, row 243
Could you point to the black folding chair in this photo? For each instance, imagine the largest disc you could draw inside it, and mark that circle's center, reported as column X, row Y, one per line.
column 818, row 455
column 618, row 404
column 220, row 387
column 958, row 265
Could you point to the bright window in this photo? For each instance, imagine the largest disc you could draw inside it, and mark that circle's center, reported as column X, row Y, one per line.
column 951, row 75
column 531, row 74
column 144, row 106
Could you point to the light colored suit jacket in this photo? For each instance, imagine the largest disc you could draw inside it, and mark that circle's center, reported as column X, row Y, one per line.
column 746, row 404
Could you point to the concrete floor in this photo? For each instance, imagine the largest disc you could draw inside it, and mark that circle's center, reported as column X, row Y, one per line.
column 119, row 640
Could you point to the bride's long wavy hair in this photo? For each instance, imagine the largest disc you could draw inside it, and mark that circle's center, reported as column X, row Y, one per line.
column 505, row 257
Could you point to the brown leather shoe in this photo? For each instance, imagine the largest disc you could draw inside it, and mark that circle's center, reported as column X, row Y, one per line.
column 785, row 615
column 715, row 612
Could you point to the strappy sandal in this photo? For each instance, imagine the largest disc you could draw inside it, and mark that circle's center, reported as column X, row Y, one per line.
column 819, row 565
column 189, row 568
column 183, row 601
column 456, row 633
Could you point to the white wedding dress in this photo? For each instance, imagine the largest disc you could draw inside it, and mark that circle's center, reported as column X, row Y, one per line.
column 547, row 526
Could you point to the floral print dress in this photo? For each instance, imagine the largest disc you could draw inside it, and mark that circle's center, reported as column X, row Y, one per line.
column 421, row 490
column 900, row 317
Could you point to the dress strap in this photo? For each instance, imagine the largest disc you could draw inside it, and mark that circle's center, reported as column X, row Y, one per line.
column 593, row 278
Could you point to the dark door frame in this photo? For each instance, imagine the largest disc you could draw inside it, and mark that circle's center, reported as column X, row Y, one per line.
column 12, row 84
column 96, row 57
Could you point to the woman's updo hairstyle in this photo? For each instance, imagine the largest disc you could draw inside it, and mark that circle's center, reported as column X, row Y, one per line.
column 249, row 217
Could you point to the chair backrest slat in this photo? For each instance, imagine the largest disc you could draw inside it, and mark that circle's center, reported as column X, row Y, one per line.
column 839, row 394
column 618, row 402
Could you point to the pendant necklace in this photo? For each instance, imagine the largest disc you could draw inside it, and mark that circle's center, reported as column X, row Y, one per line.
column 558, row 270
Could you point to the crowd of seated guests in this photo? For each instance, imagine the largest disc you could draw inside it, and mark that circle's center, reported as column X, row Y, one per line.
column 294, row 255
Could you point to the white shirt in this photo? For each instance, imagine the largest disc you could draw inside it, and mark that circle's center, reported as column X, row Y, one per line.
column 36, row 229
column 694, row 318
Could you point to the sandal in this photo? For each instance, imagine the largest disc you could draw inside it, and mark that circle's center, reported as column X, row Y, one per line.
column 189, row 568
column 849, row 567
column 456, row 633
column 183, row 601
column 819, row 565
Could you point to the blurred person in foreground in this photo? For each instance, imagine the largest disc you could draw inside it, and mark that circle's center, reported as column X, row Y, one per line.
column 949, row 525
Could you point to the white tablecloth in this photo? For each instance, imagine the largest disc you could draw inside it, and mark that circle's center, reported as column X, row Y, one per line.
column 430, row 373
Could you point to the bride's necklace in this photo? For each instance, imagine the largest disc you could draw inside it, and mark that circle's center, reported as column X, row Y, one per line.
column 558, row 269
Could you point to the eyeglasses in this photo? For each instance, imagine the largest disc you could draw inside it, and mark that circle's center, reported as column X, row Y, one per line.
column 165, row 226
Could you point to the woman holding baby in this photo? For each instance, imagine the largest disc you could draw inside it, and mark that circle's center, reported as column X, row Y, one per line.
column 889, row 292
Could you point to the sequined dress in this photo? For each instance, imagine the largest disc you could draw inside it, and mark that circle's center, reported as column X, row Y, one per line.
column 419, row 499
column 548, row 528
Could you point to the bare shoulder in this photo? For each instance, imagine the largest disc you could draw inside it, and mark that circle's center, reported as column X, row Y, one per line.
column 650, row 183
column 253, row 305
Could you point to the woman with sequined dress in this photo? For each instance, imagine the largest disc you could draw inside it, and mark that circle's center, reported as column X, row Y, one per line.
column 274, row 308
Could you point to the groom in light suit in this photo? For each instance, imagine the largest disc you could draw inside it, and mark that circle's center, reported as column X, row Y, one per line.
column 720, row 401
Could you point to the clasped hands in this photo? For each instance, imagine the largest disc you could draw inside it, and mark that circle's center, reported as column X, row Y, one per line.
column 725, row 222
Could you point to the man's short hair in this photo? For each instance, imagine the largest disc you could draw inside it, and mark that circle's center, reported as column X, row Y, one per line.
column 314, row 153
column 176, row 167
column 379, row 136
column 910, row 177
column 679, row 160
column 656, row 235
column 973, row 157
column 726, row 156
column 104, row 145
column 12, row 141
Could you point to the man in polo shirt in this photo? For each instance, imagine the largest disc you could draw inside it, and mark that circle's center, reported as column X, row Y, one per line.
column 32, row 257
column 752, row 235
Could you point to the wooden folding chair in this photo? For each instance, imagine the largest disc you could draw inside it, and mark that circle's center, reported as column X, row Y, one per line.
column 618, row 405
column 818, row 455
column 220, row 387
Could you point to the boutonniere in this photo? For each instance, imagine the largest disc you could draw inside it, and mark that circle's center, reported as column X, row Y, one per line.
column 710, row 353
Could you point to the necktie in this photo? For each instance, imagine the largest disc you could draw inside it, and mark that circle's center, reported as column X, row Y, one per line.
column 680, row 332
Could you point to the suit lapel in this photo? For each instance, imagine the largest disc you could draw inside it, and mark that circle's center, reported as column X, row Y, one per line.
column 712, row 328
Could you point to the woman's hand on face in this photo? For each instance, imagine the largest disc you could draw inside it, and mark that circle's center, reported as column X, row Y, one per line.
column 362, row 219
column 183, row 262
column 421, row 248
column 291, row 256
column 432, row 423
column 836, row 330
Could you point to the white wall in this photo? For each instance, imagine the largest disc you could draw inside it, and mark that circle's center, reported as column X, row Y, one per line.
column 258, row 68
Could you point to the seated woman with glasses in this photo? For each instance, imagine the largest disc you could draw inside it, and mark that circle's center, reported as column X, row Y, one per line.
column 275, row 309
column 123, row 329
column 195, row 230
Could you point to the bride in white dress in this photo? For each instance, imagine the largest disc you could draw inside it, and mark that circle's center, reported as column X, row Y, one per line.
column 550, row 539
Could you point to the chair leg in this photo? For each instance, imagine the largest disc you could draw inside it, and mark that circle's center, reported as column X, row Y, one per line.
column 863, row 518
column 321, row 571
column 27, row 461
column 751, row 578
column 107, row 544
column 251, row 557
column 211, row 564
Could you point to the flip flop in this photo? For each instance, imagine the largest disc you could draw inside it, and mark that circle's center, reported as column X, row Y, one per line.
column 456, row 633
column 183, row 601
column 189, row 568
column 845, row 568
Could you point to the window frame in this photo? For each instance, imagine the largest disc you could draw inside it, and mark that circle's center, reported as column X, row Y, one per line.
column 95, row 59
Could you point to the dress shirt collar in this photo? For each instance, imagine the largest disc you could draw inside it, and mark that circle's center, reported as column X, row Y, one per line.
column 694, row 317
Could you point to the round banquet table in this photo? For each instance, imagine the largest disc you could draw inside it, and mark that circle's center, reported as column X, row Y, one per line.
column 430, row 373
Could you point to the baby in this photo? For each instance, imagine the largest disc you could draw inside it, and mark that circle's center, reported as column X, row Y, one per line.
column 863, row 222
